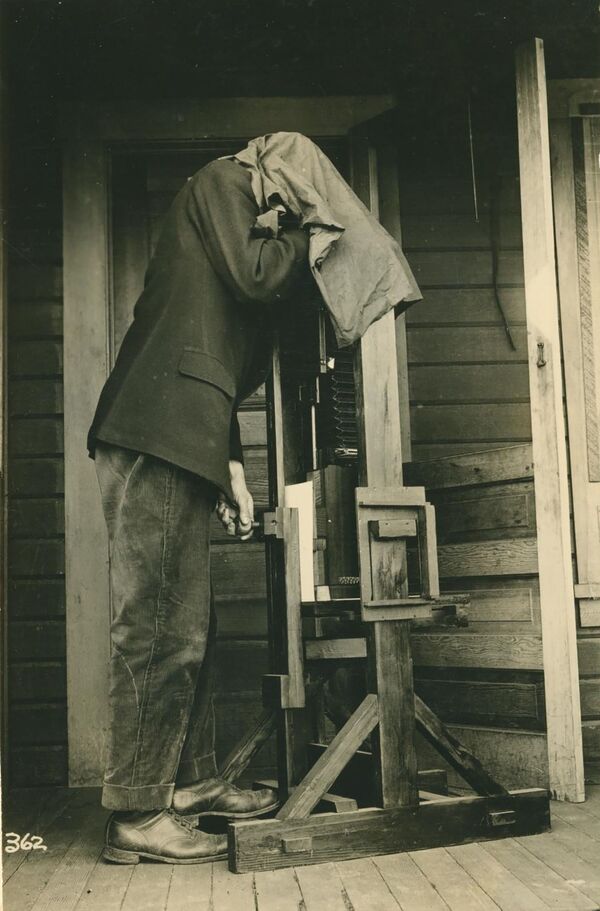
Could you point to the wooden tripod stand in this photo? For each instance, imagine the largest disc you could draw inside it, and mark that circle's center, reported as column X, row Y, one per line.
column 403, row 810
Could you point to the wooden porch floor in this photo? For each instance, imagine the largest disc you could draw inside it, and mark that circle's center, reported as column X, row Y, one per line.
column 558, row 870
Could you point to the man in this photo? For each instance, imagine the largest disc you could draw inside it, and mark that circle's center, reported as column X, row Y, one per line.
column 166, row 442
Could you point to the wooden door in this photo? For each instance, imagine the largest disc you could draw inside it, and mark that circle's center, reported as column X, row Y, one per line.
column 576, row 177
column 575, row 139
column 97, row 140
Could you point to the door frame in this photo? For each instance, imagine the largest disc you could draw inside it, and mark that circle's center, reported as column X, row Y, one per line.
column 555, row 567
column 90, row 133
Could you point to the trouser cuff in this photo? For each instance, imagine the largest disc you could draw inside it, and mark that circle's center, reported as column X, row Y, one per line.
column 148, row 797
column 197, row 769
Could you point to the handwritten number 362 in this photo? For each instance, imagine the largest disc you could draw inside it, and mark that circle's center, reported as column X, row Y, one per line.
column 26, row 842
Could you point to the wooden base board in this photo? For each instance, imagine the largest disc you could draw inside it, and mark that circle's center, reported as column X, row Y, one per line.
column 271, row 844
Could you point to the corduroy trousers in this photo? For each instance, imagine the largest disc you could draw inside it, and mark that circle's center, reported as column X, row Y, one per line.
column 161, row 730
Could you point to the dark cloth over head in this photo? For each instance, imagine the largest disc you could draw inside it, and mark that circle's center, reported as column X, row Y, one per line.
column 359, row 268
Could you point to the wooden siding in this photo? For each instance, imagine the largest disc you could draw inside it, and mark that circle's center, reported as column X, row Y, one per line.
column 36, row 605
column 469, row 389
column 487, row 679
column 588, row 647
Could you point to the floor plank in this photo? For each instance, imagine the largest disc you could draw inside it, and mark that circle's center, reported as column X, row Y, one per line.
column 592, row 800
column 365, row 886
column 148, row 887
column 411, row 889
column 106, row 887
column 21, row 805
column 505, row 889
column 69, row 878
column 541, row 879
column 456, row 887
column 568, row 865
column 191, row 888
column 31, row 813
column 559, row 870
column 20, row 811
column 277, row 890
column 231, row 890
column 24, row 887
column 321, row 888
column 578, row 818
column 576, row 841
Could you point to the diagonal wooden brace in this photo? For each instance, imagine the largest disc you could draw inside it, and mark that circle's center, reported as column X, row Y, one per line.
column 327, row 768
column 246, row 749
column 454, row 752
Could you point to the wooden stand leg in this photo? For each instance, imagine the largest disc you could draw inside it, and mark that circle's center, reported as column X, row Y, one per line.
column 292, row 743
column 390, row 675
column 244, row 752
column 327, row 768
column 454, row 752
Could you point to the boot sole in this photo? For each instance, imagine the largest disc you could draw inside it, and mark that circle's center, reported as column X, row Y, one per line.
column 120, row 856
column 194, row 818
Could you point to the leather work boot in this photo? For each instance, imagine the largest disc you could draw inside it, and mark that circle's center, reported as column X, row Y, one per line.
column 217, row 797
column 160, row 835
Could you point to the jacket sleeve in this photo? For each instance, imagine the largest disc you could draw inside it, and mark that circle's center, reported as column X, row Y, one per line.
column 223, row 210
column 236, row 452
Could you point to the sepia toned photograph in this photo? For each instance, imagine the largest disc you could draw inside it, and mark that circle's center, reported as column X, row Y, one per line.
column 300, row 455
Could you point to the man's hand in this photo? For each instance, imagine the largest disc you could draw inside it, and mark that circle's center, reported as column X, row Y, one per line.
column 237, row 517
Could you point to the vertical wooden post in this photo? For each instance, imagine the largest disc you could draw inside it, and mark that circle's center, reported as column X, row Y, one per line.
column 389, row 215
column 559, row 638
column 380, row 465
column 281, row 553
column 86, row 352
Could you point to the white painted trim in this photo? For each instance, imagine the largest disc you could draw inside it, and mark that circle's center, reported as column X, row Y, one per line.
column 559, row 633
column 86, row 362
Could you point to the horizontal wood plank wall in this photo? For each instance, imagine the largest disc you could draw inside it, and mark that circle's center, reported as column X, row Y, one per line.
column 36, row 605
column 469, row 389
column 487, row 679
column 588, row 649
column 469, row 402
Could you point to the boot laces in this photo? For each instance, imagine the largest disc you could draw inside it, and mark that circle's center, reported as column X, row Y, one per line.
column 181, row 820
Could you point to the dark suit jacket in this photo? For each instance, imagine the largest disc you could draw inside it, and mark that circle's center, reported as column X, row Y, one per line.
column 200, row 338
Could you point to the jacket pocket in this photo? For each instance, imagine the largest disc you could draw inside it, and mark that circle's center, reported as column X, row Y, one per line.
column 209, row 369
